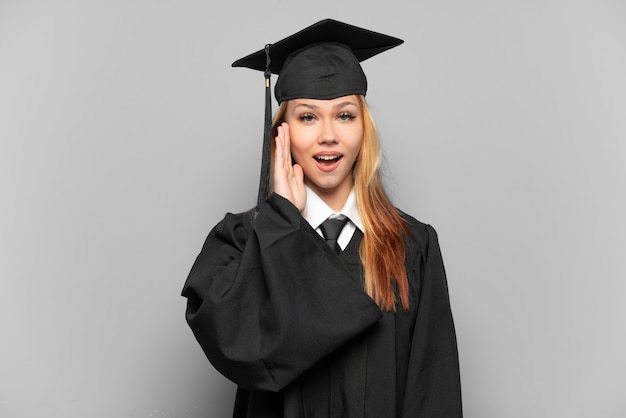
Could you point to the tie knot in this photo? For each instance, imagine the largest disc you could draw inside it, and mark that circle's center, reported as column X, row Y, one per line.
column 331, row 228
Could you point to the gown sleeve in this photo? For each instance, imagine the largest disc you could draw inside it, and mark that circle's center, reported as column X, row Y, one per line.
column 267, row 299
column 433, row 383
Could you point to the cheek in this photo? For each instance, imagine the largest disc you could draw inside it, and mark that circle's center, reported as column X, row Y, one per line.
column 354, row 143
column 298, row 144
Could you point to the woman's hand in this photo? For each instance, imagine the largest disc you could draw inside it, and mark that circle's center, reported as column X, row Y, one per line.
column 288, row 178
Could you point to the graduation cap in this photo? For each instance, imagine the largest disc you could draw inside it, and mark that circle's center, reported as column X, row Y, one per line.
column 321, row 61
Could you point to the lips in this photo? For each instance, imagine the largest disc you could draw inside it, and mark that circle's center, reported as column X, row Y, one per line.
column 327, row 161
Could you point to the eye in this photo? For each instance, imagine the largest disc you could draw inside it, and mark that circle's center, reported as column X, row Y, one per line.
column 307, row 117
column 346, row 116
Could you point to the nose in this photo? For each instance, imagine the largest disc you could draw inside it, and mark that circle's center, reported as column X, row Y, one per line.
column 328, row 135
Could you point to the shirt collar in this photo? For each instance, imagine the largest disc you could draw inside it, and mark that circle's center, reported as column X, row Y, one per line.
column 317, row 211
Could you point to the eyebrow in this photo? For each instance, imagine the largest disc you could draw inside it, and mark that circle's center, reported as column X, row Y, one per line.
column 337, row 106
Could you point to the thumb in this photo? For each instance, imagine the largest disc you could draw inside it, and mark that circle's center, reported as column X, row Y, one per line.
column 298, row 174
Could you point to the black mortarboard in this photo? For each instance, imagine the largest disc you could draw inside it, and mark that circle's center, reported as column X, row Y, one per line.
column 318, row 62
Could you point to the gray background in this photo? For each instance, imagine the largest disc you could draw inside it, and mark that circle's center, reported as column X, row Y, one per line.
column 125, row 136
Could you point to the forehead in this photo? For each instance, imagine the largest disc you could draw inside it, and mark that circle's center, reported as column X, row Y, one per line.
column 330, row 104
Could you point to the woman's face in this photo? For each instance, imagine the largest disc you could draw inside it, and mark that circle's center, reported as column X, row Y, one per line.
column 325, row 138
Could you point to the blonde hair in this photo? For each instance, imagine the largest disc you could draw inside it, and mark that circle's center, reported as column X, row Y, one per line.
column 383, row 247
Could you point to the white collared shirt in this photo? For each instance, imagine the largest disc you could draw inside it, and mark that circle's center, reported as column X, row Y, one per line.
column 317, row 211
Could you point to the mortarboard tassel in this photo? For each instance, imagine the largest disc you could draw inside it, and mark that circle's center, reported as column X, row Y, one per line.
column 264, row 182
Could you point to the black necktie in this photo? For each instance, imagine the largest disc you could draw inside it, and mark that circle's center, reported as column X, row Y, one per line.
column 330, row 229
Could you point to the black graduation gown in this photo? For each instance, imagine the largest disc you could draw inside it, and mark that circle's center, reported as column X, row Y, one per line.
column 286, row 319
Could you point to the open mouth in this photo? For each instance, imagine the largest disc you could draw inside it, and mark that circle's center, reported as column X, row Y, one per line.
column 327, row 162
column 327, row 158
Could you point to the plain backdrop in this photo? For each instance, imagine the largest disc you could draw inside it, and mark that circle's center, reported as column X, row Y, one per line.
column 125, row 136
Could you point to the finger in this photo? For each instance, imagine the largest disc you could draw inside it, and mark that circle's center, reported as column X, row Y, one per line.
column 287, row 143
column 278, row 150
column 284, row 149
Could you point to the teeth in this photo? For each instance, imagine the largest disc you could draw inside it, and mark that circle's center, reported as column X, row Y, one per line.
column 327, row 157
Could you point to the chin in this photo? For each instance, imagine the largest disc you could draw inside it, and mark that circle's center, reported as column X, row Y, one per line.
column 326, row 183
column 328, row 186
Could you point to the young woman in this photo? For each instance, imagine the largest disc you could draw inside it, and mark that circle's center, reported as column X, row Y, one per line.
column 314, row 323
